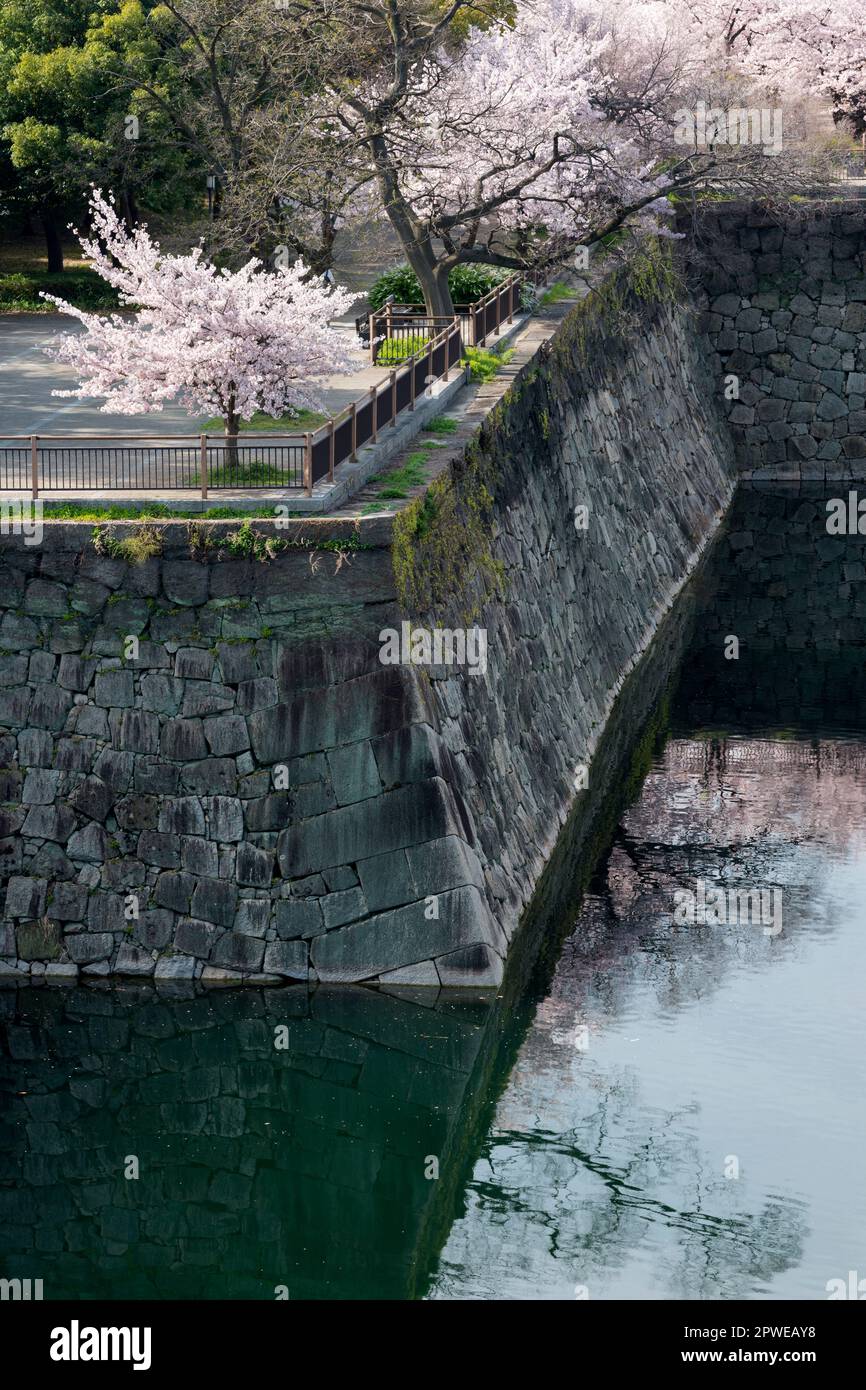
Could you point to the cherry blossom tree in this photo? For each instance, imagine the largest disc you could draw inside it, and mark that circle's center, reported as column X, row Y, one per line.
column 223, row 343
column 533, row 136
column 795, row 46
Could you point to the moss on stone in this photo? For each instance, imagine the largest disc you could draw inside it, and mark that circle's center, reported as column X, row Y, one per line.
column 441, row 547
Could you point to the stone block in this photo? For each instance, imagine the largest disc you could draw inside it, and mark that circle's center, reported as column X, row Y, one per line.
column 226, row 734
column 402, row 937
column 25, row 897
column 174, row 890
column 38, row 940
column 85, row 948
column 406, row 816
column 195, row 938
column 214, row 900
column 238, row 952
column 298, row 917
column 182, row 740
column 288, row 958
column 254, row 867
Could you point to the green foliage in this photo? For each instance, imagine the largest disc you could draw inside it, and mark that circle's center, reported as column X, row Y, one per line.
column 441, row 424
column 467, row 284
column 147, row 511
column 411, row 474
column 290, row 423
column 557, row 293
column 612, row 309
column 71, row 74
column 83, row 288
column 484, row 365
column 140, row 545
column 440, row 548
column 394, row 350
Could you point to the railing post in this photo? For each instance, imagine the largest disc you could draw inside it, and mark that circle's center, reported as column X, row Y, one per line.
column 498, row 293
column 511, row 300
column 373, row 412
column 372, row 344
column 393, row 395
column 203, row 465
column 34, row 466
column 430, row 366
column 354, row 410
column 308, row 463
column 412, row 382
column 331, row 453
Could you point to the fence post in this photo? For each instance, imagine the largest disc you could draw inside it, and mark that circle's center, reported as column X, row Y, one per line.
column 430, row 367
column 511, row 289
column 308, row 463
column 374, row 406
column 34, row 465
column 203, row 464
column 412, row 382
column 498, row 294
column 354, row 409
column 393, row 396
column 372, row 345
column 331, row 453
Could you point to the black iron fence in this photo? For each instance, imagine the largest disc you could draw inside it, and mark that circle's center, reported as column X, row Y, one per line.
column 206, row 462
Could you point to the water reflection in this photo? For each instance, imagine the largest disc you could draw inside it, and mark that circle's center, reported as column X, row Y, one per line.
column 665, row 1059
column 303, row 1165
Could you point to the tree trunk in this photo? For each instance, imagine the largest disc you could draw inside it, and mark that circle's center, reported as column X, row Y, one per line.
column 53, row 243
column 433, row 279
column 128, row 208
column 233, row 425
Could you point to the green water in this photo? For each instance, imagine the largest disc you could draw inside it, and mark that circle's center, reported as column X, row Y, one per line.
column 651, row 1110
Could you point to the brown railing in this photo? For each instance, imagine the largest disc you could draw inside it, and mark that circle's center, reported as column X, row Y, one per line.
column 393, row 328
column 206, row 462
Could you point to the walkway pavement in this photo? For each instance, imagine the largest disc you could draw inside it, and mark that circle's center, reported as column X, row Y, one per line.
column 28, row 378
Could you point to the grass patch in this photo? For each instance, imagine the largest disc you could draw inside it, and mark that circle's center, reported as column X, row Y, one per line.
column 150, row 511
column 255, row 474
column 484, row 365
column 143, row 544
column 410, row 474
column 441, row 424
column 19, row 292
column 557, row 293
column 290, row 423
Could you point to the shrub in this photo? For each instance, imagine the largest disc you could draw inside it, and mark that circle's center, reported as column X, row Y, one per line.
column 467, row 284
column 83, row 288
column 484, row 365
column 399, row 349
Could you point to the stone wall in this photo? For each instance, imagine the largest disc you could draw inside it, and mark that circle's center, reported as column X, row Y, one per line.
column 252, row 793
column 787, row 317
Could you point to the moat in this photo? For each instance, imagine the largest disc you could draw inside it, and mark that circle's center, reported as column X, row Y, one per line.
column 653, row 1110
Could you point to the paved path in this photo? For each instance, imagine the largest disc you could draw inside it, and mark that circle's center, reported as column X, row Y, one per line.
column 28, row 377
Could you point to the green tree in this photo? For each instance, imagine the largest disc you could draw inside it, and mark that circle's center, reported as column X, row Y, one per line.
column 71, row 114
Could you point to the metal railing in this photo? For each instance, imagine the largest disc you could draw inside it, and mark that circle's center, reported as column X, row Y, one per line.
column 395, row 327
column 207, row 462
